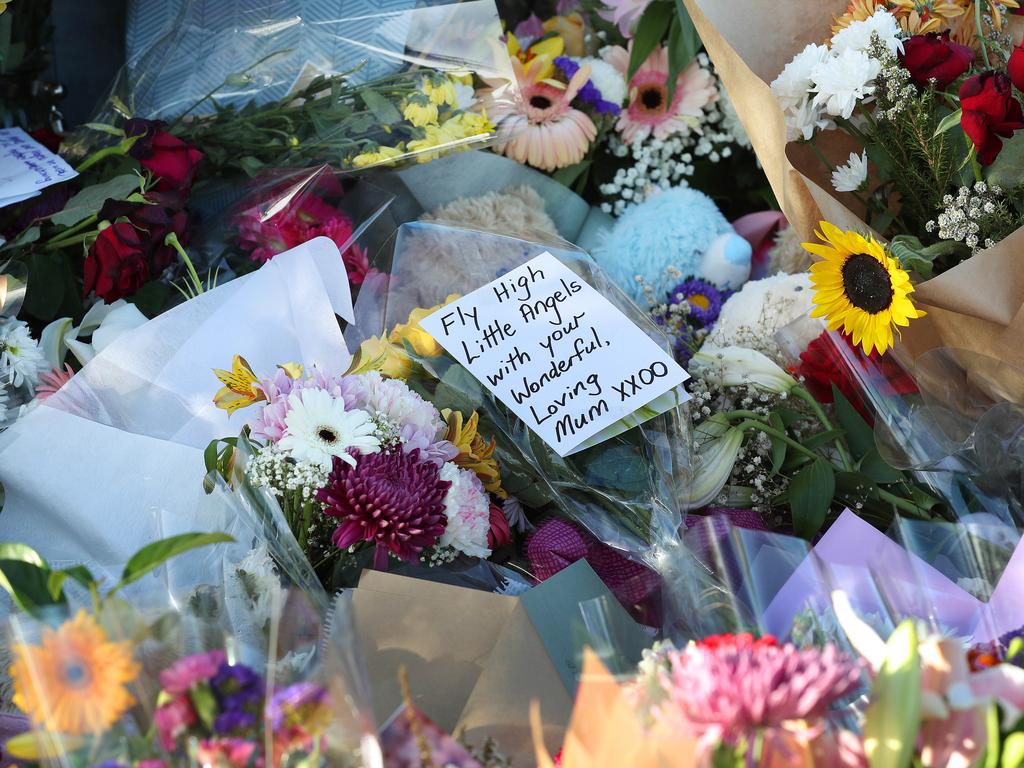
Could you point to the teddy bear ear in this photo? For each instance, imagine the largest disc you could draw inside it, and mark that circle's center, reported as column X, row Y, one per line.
column 726, row 262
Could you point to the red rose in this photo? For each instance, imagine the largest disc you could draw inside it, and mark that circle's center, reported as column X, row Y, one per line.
column 935, row 57
column 990, row 113
column 1015, row 67
column 154, row 221
column 168, row 158
column 500, row 534
column 116, row 265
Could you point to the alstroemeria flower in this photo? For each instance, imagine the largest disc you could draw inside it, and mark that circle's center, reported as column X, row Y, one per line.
column 241, row 386
column 738, row 367
column 718, row 445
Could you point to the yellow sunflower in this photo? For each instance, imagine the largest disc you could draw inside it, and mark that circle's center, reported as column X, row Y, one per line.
column 73, row 682
column 860, row 288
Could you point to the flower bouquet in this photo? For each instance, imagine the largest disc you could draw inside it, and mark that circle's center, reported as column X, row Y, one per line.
column 909, row 107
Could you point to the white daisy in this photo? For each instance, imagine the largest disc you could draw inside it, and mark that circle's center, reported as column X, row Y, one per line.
column 792, row 86
column 842, row 81
column 21, row 360
column 468, row 511
column 851, row 177
column 857, row 36
column 318, row 428
column 804, row 120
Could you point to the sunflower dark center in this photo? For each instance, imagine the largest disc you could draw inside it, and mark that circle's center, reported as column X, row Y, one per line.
column 327, row 435
column 74, row 673
column 540, row 102
column 866, row 283
column 652, row 98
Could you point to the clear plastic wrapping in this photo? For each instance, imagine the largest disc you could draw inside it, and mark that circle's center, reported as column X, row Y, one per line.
column 281, row 83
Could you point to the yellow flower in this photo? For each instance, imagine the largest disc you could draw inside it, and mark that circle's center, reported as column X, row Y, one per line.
column 440, row 92
column 74, row 682
column 570, row 29
column 539, row 59
column 3, row 6
column 411, row 331
column 468, row 124
column 240, row 388
column 420, row 113
column 383, row 155
column 860, row 288
column 436, row 138
column 475, row 453
column 377, row 354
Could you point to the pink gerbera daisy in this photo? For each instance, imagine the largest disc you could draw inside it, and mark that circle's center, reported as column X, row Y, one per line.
column 649, row 111
column 539, row 126
column 51, row 381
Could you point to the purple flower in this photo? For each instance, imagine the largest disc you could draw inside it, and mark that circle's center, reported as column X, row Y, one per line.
column 704, row 299
column 233, row 721
column 239, row 691
column 394, row 499
column 731, row 688
column 588, row 94
column 530, row 29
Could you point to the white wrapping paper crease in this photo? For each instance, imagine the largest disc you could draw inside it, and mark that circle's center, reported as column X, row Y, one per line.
column 115, row 459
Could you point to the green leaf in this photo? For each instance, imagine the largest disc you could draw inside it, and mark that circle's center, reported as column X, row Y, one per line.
column 566, row 176
column 383, row 110
column 810, row 496
column 27, row 237
column 204, row 703
column 46, row 284
column 25, row 577
column 854, row 484
column 1013, row 751
column 913, row 255
column 1008, row 169
column 859, row 436
column 779, row 446
column 91, row 199
column 106, row 128
column 822, row 438
column 683, row 45
column 894, row 714
column 875, row 467
column 250, row 165
column 78, row 573
column 650, row 31
column 949, row 122
column 156, row 554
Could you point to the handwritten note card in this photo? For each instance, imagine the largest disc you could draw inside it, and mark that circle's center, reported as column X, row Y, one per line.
column 27, row 167
column 559, row 354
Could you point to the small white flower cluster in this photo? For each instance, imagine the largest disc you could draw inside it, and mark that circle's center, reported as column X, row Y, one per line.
column 436, row 556
column 659, row 164
column 822, row 83
column 273, row 467
column 671, row 317
column 964, row 215
column 895, row 87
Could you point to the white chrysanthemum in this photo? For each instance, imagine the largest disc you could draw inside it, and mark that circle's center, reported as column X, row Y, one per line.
column 21, row 360
column 468, row 511
column 806, row 119
column 607, row 79
column 792, row 86
column 318, row 428
column 857, row 36
column 842, row 81
column 851, row 177
column 465, row 96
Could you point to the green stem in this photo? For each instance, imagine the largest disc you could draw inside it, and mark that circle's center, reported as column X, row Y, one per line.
column 120, row 148
column 815, row 406
column 981, row 34
column 903, row 504
column 66, row 234
column 772, row 432
column 57, row 245
column 197, row 284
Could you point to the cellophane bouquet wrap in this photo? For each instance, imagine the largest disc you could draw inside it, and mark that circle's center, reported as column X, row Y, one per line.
column 276, row 85
column 975, row 303
column 626, row 491
column 147, row 685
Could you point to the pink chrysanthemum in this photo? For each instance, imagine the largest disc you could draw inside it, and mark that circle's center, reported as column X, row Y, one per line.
column 392, row 499
column 51, row 381
column 729, row 689
column 539, row 126
column 184, row 673
column 649, row 111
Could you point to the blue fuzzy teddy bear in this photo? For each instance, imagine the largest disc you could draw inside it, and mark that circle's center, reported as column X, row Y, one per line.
column 680, row 228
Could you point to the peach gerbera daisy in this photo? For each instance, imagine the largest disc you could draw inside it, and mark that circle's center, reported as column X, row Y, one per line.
column 649, row 111
column 539, row 125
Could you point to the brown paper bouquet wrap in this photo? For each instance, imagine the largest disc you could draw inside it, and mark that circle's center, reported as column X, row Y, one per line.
column 976, row 306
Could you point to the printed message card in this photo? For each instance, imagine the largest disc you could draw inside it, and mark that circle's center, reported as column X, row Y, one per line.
column 27, row 167
column 559, row 354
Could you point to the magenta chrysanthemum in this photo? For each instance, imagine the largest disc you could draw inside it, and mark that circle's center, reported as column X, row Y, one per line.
column 393, row 499
column 728, row 690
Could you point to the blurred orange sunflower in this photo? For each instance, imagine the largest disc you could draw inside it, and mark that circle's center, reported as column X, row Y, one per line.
column 74, row 681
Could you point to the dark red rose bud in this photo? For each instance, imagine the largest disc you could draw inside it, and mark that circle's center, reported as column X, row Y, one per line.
column 1015, row 67
column 116, row 265
column 935, row 57
column 990, row 113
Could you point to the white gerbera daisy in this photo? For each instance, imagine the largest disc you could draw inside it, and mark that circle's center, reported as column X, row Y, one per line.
column 857, row 36
column 792, row 86
column 21, row 360
column 842, row 81
column 318, row 428
column 851, row 177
